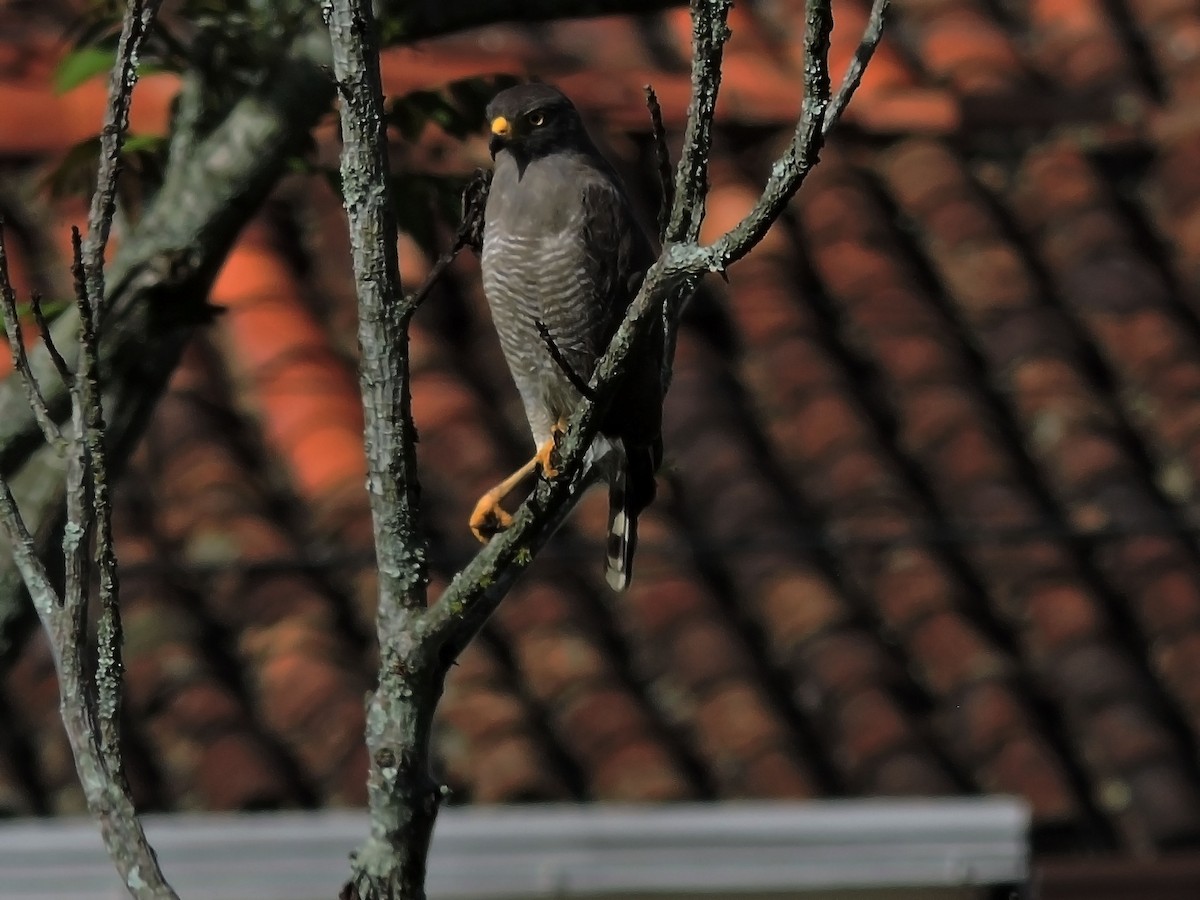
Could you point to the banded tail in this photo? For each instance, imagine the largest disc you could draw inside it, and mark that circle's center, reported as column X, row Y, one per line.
column 631, row 488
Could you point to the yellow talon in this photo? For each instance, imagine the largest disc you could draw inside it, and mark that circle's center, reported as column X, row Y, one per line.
column 548, row 452
column 489, row 518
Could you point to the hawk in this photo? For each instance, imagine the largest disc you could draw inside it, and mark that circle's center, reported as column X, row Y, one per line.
column 563, row 256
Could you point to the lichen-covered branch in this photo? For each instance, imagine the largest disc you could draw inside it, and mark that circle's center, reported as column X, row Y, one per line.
column 138, row 17
column 802, row 151
column 710, row 31
column 402, row 794
column 89, row 697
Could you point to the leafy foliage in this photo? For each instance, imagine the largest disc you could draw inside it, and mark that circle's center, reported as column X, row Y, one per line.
column 82, row 65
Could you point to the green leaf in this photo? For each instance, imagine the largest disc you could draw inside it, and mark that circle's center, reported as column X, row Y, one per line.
column 51, row 309
column 137, row 143
column 82, row 65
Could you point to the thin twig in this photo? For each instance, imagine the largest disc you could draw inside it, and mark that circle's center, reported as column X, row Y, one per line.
column 474, row 204
column 139, row 15
column 563, row 363
column 710, row 31
column 662, row 161
column 43, row 324
column 469, row 234
column 20, row 359
column 802, row 152
column 858, row 64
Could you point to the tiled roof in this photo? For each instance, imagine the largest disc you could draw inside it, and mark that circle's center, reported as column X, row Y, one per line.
column 928, row 521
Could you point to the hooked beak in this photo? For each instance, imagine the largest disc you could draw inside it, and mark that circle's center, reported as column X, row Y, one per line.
column 500, row 134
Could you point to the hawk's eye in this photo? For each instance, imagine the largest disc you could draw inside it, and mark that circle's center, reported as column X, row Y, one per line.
column 536, row 118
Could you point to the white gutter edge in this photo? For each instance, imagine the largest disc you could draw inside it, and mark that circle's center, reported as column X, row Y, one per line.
column 589, row 850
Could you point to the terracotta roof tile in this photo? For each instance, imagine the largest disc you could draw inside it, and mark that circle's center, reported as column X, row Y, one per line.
column 963, row 46
column 192, row 722
column 482, row 718
column 1077, row 43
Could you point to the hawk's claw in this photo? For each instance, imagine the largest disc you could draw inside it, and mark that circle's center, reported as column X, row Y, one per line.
column 545, row 457
column 547, row 454
column 489, row 518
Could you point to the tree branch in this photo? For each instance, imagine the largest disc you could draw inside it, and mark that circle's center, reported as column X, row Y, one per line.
column 858, row 65
column 87, row 396
column 662, row 161
column 402, row 795
column 91, row 719
column 802, row 152
column 710, row 31
column 43, row 324
column 20, row 358
column 562, row 362
column 139, row 15
column 469, row 234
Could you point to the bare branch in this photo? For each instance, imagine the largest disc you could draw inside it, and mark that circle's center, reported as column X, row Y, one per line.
column 469, row 234
column 562, row 362
column 20, row 359
column 801, row 154
column 858, row 65
column 662, row 160
column 24, row 551
column 43, row 324
column 139, row 14
column 109, row 665
column 91, row 720
column 476, row 591
column 392, row 477
column 402, row 795
column 710, row 31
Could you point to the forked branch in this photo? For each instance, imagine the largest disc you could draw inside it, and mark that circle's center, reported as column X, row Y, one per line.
column 89, row 683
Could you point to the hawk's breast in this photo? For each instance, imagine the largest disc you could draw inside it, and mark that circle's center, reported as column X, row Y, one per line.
column 535, row 268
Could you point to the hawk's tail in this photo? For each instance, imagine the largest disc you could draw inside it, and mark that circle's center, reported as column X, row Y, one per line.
column 631, row 487
column 622, row 531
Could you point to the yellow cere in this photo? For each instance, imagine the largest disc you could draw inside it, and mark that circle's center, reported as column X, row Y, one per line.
column 500, row 126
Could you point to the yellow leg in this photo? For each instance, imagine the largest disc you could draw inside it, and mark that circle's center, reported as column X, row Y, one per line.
column 546, row 453
column 489, row 517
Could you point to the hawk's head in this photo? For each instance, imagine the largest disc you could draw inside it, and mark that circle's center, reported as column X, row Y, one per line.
column 532, row 120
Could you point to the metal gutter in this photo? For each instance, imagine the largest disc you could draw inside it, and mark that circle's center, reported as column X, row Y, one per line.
column 587, row 851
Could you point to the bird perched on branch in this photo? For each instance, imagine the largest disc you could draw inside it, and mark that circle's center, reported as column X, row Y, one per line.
column 563, row 257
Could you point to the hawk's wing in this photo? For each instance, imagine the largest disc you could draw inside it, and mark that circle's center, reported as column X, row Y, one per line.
column 618, row 253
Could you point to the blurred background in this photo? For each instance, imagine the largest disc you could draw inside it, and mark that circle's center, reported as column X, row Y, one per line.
column 928, row 520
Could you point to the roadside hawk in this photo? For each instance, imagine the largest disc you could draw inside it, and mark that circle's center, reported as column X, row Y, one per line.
column 563, row 257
